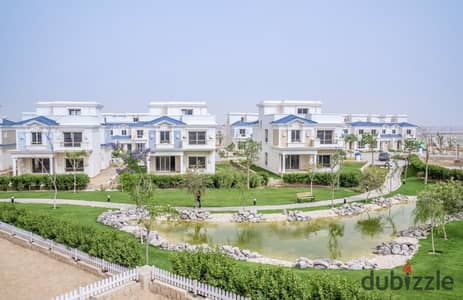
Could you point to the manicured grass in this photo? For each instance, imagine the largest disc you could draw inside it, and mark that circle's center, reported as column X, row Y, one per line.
column 449, row 263
column 351, row 165
column 412, row 187
column 213, row 197
column 262, row 170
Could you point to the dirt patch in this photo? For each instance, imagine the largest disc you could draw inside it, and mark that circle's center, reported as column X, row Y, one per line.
column 28, row 274
column 448, row 162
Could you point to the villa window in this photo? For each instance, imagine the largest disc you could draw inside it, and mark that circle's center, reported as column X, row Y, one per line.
column 36, row 138
column 295, row 136
column 72, row 139
column 373, row 131
column 187, row 111
column 393, row 131
column 111, row 132
column 140, row 146
column 345, row 131
column 74, row 165
column 197, row 138
column 241, row 145
column 292, row 162
column 165, row 163
column 384, row 131
column 129, row 147
column 325, row 136
column 164, row 137
column 266, row 158
column 139, row 134
column 74, row 111
column 136, row 119
column 302, row 111
column 40, row 165
column 324, row 161
column 242, row 132
column 266, row 135
column 123, row 132
column 409, row 131
column 197, row 162
column 360, row 131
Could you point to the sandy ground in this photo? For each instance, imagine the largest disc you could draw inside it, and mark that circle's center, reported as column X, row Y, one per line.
column 448, row 162
column 133, row 292
column 28, row 274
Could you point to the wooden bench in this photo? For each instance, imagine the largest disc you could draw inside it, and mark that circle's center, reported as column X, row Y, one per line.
column 301, row 197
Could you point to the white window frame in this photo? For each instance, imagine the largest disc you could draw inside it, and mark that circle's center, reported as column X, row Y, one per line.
column 140, row 133
column 196, row 140
column 74, row 111
column 36, row 138
column 197, row 164
column 164, row 137
column 296, row 136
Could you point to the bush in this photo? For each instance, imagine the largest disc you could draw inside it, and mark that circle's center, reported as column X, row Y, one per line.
column 64, row 182
column 217, row 181
column 110, row 245
column 346, row 178
column 434, row 171
column 263, row 282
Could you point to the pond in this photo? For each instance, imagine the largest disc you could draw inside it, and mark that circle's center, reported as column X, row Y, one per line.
column 337, row 238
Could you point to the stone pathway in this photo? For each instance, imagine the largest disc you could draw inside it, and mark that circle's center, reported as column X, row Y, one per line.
column 103, row 179
column 396, row 182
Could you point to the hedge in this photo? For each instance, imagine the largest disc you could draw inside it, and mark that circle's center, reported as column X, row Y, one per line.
column 110, row 245
column 264, row 282
column 64, row 182
column 434, row 171
column 346, row 178
column 217, row 181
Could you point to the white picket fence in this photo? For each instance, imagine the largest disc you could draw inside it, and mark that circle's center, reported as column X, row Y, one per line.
column 76, row 254
column 193, row 286
column 99, row 287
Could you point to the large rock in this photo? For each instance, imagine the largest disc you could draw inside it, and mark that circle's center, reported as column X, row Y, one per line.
column 349, row 209
column 196, row 214
column 296, row 216
column 247, row 215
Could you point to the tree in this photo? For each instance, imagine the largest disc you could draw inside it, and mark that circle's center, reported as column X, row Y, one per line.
column 311, row 174
column 251, row 154
column 335, row 171
column 428, row 209
column 74, row 157
column 243, row 191
column 370, row 140
column 410, row 145
column 350, row 139
column 144, row 195
column 196, row 183
column 372, row 179
column 335, row 231
column 393, row 169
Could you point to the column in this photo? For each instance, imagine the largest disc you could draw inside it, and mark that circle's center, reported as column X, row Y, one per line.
column 181, row 165
column 148, row 164
column 14, row 166
column 283, row 166
column 52, row 169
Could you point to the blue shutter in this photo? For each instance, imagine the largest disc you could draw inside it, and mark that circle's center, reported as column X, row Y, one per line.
column 177, row 139
column 152, row 139
column 21, row 140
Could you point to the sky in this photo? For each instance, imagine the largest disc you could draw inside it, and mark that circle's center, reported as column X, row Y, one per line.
column 354, row 56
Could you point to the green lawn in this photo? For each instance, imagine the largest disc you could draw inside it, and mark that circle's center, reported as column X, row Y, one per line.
column 412, row 187
column 213, row 197
column 352, row 165
column 449, row 263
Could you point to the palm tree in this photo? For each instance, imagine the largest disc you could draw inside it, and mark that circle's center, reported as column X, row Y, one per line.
column 350, row 139
column 429, row 209
column 370, row 140
column 75, row 157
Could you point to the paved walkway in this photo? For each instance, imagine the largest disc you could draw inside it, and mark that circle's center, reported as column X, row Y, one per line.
column 396, row 182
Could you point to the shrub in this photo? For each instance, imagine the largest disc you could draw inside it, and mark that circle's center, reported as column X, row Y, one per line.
column 110, row 245
column 64, row 182
column 263, row 282
column 346, row 178
column 217, row 181
column 434, row 171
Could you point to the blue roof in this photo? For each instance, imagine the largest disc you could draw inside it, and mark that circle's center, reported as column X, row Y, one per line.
column 290, row 118
column 244, row 123
column 7, row 122
column 380, row 124
column 143, row 123
column 391, row 136
column 40, row 119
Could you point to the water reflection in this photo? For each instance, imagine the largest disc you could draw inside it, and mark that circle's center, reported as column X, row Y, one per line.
column 340, row 238
column 336, row 231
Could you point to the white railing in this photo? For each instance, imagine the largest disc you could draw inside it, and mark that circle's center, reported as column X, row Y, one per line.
column 73, row 253
column 99, row 287
column 193, row 286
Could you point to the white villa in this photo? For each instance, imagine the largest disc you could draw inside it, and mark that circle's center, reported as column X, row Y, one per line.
column 239, row 127
column 183, row 134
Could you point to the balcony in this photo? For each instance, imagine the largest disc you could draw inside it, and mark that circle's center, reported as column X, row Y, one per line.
column 69, row 146
column 333, row 143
